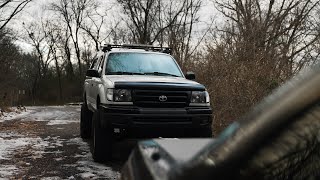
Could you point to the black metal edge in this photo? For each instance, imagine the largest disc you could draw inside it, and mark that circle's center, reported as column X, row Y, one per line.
column 143, row 165
column 159, row 85
column 108, row 47
column 236, row 144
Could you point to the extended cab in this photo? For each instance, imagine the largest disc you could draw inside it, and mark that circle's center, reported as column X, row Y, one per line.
column 135, row 91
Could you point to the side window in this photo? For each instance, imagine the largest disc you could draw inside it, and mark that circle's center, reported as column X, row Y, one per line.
column 97, row 64
column 101, row 64
column 106, row 59
column 95, row 61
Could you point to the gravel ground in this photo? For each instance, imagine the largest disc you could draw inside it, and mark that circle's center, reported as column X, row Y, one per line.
column 44, row 143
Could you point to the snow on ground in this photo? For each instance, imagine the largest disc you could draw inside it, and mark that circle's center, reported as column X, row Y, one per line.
column 60, row 122
column 9, row 142
column 50, row 178
column 55, row 115
column 90, row 169
column 7, row 171
column 15, row 114
column 13, row 142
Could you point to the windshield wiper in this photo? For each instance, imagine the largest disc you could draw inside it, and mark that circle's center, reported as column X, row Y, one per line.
column 161, row 74
column 124, row 73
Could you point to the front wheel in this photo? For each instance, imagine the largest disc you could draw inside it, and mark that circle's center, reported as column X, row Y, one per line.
column 101, row 145
column 85, row 122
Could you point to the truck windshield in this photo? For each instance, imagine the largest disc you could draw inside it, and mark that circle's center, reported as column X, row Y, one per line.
column 142, row 64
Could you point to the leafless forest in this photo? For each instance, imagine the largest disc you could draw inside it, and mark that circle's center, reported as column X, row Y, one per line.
column 245, row 50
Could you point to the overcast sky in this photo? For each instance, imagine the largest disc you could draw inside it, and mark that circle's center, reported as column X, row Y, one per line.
column 36, row 9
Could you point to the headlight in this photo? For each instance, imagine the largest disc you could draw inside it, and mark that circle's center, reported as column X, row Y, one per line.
column 110, row 94
column 200, row 97
column 121, row 95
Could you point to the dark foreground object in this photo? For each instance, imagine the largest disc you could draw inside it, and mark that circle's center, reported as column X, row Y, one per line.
column 278, row 139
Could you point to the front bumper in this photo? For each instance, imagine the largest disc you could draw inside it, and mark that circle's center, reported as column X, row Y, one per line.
column 135, row 121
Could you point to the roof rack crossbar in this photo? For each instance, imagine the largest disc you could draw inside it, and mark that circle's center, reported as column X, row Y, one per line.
column 108, row 47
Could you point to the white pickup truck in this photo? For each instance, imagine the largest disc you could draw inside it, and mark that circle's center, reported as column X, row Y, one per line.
column 137, row 91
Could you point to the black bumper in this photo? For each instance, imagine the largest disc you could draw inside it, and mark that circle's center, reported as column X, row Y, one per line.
column 134, row 121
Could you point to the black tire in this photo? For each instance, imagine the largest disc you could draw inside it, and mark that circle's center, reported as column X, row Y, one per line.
column 85, row 122
column 101, row 144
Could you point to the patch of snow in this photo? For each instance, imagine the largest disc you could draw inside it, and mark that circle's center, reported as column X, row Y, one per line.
column 77, row 141
column 8, row 146
column 90, row 169
column 71, row 177
column 7, row 171
column 69, row 165
column 79, row 156
column 51, row 178
column 15, row 114
column 41, row 145
column 98, row 170
column 9, row 135
column 11, row 142
column 54, row 141
column 56, row 115
column 40, row 149
column 87, row 175
column 60, row 122
column 62, row 114
column 58, row 159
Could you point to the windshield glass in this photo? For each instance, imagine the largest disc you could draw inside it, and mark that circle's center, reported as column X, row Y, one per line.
column 142, row 63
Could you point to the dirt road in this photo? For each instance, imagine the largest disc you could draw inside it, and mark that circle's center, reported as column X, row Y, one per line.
column 44, row 143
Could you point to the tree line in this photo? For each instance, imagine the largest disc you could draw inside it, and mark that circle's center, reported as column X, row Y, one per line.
column 246, row 50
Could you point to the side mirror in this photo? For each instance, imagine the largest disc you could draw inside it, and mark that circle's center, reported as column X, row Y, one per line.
column 190, row 76
column 92, row 73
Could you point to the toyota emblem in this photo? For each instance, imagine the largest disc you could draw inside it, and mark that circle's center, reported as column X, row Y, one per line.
column 163, row 98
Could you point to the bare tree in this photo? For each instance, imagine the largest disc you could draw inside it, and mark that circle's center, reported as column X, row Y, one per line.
column 52, row 37
column 146, row 18
column 73, row 13
column 95, row 25
column 167, row 23
column 9, row 9
column 37, row 38
column 64, row 39
column 261, row 44
column 180, row 36
column 281, row 30
column 18, row 71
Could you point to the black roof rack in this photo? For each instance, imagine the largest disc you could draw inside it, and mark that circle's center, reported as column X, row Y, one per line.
column 108, row 47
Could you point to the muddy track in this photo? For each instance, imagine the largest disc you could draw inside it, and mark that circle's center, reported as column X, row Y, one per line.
column 45, row 144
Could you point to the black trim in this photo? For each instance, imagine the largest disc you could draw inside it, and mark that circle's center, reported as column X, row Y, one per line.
column 159, row 85
column 152, row 122
column 108, row 47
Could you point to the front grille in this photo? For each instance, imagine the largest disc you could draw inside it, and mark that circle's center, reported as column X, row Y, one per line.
column 150, row 98
column 162, row 120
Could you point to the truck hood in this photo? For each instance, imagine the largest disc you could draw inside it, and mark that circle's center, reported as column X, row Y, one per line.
column 147, row 78
column 146, row 81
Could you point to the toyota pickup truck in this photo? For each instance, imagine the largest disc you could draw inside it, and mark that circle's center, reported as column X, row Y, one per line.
column 139, row 91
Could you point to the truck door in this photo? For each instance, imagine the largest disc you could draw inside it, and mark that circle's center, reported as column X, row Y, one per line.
column 96, row 81
column 89, row 85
